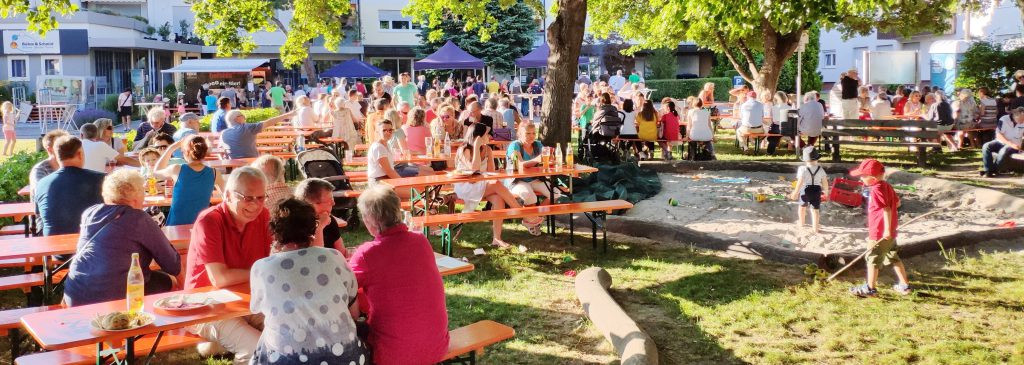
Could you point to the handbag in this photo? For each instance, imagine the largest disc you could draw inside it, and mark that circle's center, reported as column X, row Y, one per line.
column 504, row 134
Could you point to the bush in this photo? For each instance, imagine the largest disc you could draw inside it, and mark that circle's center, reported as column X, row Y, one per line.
column 251, row 116
column 15, row 172
column 681, row 89
column 109, row 103
column 171, row 95
column 90, row 115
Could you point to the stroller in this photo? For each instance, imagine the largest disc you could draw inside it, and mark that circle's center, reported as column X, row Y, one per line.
column 320, row 163
column 596, row 145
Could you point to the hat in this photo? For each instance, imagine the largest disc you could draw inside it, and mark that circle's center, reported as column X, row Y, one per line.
column 869, row 167
column 811, row 154
column 188, row 116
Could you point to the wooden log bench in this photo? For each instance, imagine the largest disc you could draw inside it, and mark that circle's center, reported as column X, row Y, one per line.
column 859, row 132
column 595, row 211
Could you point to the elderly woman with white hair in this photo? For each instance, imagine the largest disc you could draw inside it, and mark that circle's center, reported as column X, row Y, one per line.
column 277, row 188
column 240, row 137
column 392, row 268
column 305, row 116
column 966, row 113
column 111, row 232
column 156, row 123
column 811, row 116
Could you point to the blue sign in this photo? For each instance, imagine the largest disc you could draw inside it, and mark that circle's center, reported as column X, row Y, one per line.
column 737, row 81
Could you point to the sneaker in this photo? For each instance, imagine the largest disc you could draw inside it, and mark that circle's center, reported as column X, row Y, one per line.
column 534, row 230
column 864, row 291
column 982, row 173
column 902, row 289
column 210, row 349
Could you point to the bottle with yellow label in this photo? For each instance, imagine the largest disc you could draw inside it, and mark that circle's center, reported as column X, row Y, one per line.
column 136, row 286
column 570, row 161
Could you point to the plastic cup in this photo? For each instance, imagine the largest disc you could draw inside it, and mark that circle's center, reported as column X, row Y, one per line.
column 349, row 155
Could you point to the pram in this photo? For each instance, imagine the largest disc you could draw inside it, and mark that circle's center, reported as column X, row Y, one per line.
column 320, row 163
column 596, row 146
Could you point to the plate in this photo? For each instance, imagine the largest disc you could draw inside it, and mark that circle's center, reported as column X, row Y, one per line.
column 141, row 319
column 182, row 302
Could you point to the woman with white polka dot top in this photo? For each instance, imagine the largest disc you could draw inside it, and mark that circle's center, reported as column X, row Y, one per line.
column 307, row 294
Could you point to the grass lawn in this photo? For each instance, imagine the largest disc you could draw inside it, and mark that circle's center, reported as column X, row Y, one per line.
column 705, row 309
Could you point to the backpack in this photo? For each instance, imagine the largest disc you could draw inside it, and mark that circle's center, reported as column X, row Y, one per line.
column 607, row 121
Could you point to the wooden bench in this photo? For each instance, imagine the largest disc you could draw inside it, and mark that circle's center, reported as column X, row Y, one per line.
column 898, row 130
column 758, row 137
column 623, row 152
column 595, row 211
column 10, row 325
column 83, row 355
column 465, row 342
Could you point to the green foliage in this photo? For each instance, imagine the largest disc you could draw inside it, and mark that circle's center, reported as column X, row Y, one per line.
column 165, row 30
column 515, row 32
column 171, row 93
column 663, row 63
column 811, row 79
column 40, row 14
column 985, row 64
column 680, row 89
column 109, row 103
column 15, row 172
column 150, row 30
column 139, row 18
column 251, row 116
column 230, row 28
column 183, row 28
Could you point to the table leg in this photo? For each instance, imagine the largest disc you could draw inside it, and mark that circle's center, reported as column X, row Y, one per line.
column 47, row 279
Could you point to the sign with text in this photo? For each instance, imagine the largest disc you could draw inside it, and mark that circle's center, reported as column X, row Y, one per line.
column 25, row 42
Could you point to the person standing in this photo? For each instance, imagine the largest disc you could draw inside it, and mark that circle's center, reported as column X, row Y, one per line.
column 422, row 85
column 850, row 85
column 616, row 82
column 217, row 122
column 231, row 95
column 405, row 91
column 125, row 102
column 883, row 222
column 276, row 95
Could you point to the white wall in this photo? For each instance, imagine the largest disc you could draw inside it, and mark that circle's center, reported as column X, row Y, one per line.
column 370, row 19
column 999, row 22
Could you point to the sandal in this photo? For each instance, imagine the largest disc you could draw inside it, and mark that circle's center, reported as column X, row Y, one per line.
column 864, row 291
column 533, row 221
column 534, row 230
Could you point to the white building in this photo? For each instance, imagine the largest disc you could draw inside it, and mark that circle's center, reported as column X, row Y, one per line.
column 999, row 22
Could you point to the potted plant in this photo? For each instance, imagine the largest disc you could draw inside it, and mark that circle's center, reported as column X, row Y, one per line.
column 149, row 32
column 165, row 31
column 183, row 30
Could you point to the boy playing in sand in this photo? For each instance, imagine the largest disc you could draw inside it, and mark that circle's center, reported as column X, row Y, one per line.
column 811, row 182
column 882, row 223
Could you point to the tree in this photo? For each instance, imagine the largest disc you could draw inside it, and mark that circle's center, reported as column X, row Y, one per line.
column 38, row 13
column 985, row 64
column 663, row 63
column 230, row 27
column 739, row 29
column 515, row 30
column 609, row 51
column 564, row 36
column 811, row 79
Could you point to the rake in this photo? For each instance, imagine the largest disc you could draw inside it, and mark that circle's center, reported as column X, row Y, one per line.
column 854, row 261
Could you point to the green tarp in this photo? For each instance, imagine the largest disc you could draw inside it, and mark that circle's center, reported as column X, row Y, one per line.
column 624, row 181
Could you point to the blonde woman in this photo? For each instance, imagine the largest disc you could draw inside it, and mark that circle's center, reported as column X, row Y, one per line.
column 707, row 95
column 914, row 108
column 343, row 120
column 8, row 119
column 966, row 113
column 305, row 116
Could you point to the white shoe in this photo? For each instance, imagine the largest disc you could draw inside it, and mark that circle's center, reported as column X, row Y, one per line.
column 209, row 349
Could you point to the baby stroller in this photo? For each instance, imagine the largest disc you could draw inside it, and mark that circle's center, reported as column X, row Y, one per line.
column 597, row 146
column 320, row 163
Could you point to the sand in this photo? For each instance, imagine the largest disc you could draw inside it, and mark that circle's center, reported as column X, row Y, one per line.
column 726, row 209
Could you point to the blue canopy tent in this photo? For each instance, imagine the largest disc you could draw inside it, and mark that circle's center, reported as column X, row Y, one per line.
column 450, row 57
column 354, row 68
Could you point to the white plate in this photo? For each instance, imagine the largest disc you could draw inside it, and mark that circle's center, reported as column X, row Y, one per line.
column 195, row 300
column 145, row 319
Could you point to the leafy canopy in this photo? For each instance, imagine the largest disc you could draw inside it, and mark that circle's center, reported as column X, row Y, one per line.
column 515, row 31
column 39, row 13
column 230, row 27
column 475, row 14
column 986, row 64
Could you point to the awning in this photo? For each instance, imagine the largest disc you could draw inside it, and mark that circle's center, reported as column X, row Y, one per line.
column 218, row 65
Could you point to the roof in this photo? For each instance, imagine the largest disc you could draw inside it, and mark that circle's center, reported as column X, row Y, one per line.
column 449, row 57
column 218, row 65
column 538, row 57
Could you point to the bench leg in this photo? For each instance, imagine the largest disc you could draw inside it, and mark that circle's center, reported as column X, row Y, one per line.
column 922, row 156
column 467, row 359
column 446, row 240
column 14, row 335
column 572, row 231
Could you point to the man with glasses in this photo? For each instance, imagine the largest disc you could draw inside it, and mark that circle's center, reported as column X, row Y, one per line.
column 98, row 153
column 226, row 240
column 156, row 123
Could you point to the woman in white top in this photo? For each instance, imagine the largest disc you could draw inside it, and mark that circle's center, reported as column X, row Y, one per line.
column 476, row 156
column 304, row 114
column 880, row 107
column 914, row 107
column 988, row 108
column 344, row 123
column 628, row 130
column 700, row 129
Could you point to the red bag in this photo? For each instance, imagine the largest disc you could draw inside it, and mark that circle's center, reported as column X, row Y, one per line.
column 846, row 192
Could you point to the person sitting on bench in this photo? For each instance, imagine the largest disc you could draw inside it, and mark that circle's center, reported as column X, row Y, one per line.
column 1009, row 133
column 527, row 150
column 751, row 119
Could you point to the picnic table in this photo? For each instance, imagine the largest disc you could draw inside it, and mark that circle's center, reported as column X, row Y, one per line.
column 68, row 328
column 284, row 133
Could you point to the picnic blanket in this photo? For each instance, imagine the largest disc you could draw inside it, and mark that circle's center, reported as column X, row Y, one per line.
column 624, row 181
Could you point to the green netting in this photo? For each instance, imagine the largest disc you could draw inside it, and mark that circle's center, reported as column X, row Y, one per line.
column 625, row 181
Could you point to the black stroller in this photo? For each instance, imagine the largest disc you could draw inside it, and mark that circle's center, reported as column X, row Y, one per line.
column 596, row 145
column 320, row 163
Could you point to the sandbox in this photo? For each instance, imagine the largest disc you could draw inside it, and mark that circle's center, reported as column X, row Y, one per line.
column 722, row 204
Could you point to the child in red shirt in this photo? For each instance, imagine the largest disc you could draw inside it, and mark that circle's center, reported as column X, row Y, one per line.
column 882, row 223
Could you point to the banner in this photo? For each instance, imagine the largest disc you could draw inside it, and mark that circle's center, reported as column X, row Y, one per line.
column 25, row 42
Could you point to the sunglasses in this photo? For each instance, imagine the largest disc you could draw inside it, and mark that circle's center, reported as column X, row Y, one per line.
column 250, row 199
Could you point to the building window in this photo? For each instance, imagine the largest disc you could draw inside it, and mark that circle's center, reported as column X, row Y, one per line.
column 830, row 59
column 51, row 66
column 18, row 67
column 393, row 20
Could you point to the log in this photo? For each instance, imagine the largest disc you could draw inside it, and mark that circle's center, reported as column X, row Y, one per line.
column 631, row 343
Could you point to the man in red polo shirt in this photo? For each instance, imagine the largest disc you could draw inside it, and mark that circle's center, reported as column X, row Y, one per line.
column 226, row 240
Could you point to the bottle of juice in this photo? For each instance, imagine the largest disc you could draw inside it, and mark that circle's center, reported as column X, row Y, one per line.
column 136, row 285
column 570, row 162
column 558, row 157
column 151, row 183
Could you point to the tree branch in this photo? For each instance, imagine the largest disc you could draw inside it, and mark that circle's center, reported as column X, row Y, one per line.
column 745, row 51
column 280, row 25
column 732, row 59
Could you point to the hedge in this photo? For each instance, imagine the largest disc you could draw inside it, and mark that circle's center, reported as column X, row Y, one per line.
column 681, row 89
column 15, row 172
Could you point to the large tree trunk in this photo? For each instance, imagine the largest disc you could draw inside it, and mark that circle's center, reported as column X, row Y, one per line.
column 777, row 49
column 309, row 70
column 565, row 38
